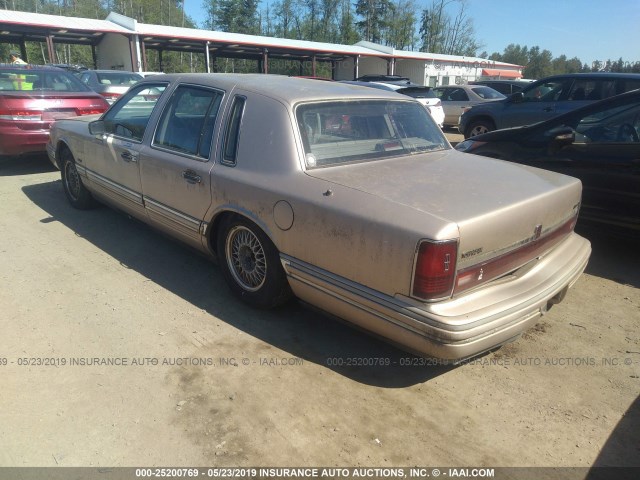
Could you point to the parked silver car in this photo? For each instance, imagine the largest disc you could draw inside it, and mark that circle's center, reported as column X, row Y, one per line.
column 457, row 98
column 349, row 198
column 111, row 84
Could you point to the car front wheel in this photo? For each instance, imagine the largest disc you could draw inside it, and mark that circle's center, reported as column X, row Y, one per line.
column 251, row 264
column 478, row 127
column 77, row 194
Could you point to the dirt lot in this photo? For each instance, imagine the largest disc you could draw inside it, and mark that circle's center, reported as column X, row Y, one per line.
column 199, row 379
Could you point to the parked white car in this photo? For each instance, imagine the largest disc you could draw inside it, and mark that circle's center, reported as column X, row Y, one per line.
column 402, row 85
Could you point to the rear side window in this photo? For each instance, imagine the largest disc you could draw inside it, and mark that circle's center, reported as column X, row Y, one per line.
column 232, row 134
column 592, row 89
column 628, row 85
column 487, row 93
column 187, row 122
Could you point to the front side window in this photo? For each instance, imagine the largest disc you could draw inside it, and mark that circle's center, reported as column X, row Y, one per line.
column 359, row 131
column 546, row 91
column 619, row 124
column 455, row 95
column 186, row 124
column 128, row 118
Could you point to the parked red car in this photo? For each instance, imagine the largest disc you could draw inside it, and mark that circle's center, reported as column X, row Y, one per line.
column 32, row 97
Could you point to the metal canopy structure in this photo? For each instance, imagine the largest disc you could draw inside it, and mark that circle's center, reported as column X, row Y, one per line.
column 20, row 27
column 216, row 44
column 136, row 38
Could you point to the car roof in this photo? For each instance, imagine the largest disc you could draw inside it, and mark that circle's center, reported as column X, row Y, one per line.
column 593, row 74
column 29, row 66
column 288, row 90
column 124, row 72
column 509, row 82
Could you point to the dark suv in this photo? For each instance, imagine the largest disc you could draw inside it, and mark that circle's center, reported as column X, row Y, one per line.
column 545, row 99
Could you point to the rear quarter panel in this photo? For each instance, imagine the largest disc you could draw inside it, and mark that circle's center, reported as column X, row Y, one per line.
column 350, row 233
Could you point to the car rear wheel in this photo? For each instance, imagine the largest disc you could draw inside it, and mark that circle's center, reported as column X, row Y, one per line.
column 251, row 264
column 478, row 127
column 77, row 194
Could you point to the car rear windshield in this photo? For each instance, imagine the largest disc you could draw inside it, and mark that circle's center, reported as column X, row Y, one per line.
column 15, row 80
column 487, row 93
column 360, row 131
column 118, row 78
column 417, row 92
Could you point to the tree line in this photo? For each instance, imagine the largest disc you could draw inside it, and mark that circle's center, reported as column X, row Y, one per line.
column 434, row 26
column 541, row 63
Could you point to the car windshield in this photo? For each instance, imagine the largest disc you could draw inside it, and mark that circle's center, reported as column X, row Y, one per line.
column 487, row 93
column 118, row 78
column 39, row 80
column 360, row 131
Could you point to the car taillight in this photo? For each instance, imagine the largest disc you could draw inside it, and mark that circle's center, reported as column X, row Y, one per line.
column 435, row 269
column 21, row 115
column 89, row 110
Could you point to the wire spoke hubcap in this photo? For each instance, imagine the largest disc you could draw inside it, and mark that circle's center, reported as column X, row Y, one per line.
column 72, row 180
column 246, row 258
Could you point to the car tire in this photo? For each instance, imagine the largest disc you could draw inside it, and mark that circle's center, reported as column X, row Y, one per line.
column 251, row 264
column 77, row 194
column 478, row 127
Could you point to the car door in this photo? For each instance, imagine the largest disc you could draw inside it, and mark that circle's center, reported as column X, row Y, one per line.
column 114, row 168
column 605, row 156
column 538, row 103
column 175, row 169
column 454, row 101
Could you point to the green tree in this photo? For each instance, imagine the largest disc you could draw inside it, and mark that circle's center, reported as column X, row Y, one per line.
column 347, row 33
column 441, row 32
column 374, row 18
column 402, row 25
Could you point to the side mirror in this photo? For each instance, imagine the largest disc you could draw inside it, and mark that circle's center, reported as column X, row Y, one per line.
column 561, row 137
column 96, row 127
column 517, row 97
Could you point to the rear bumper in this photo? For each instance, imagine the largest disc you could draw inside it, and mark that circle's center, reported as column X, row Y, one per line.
column 457, row 328
column 15, row 141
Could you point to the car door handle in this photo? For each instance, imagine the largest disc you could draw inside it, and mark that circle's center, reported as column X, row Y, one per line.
column 129, row 157
column 191, row 176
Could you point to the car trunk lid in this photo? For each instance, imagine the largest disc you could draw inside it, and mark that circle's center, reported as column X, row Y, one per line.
column 28, row 111
column 507, row 214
